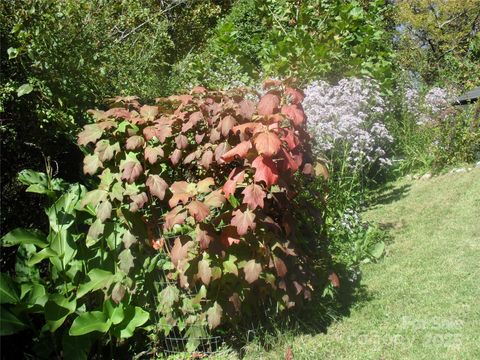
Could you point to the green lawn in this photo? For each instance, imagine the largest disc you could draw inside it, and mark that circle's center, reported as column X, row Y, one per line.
column 422, row 301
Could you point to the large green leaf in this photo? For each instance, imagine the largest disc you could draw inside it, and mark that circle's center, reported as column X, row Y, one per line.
column 98, row 280
column 24, row 89
column 10, row 323
column 33, row 294
column 41, row 255
column 24, row 236
column 9, row 291
column 88, row 322
column 134, row 317
column 39, row 183
column 57, row 309
column 114, row 312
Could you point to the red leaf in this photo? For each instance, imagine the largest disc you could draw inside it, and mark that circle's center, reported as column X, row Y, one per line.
column 179, row 252
column 265, row 170
column 181, row 141
column 203, row 186
column 289, row 162
column 176, row 156
column 296, row 96
column 280, row 267
column 152, row 154
column 229, row 236
column 214, row 135
column 131, row 170
column 236, row 302
column 106, row 151
column 175, row 216
column 90, row 133
column 243, row 221
column 195, row 117
column 206, row 159
column 198, row 210
column 199, row 138
column 157, row 186
column 267, row 143
column 203, row 237
column 226, row 124
column 268, row 104
column 119, row 113
column 334, row 280
column 190, row 157
column 252, row 271
column 308, row 169
column 149, row 112
column 204, row 271
column 240, row 150
column 138, row 201
column 235, row 177
column 214, row 199
column 162, row 131
column 134, row 142
column 149, row 132
column 182, row 191
column 290, row 139
column 294, row 113
column 246, row 108
column 253, row 196
column 289, row 354
column 251, row 126
column 199, row 90
column 220, row 150
column 267, row 84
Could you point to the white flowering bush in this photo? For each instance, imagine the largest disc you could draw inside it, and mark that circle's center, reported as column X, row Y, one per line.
column 428, row 107
column 346, row 122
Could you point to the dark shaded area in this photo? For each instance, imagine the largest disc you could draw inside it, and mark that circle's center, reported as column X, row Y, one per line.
column 388, row 194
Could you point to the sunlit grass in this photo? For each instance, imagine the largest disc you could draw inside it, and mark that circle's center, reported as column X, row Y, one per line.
column 423, row 300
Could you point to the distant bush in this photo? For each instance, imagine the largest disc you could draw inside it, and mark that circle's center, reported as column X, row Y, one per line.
column 433, row 133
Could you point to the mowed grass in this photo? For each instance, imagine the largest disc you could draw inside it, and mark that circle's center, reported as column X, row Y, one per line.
column 423, row 299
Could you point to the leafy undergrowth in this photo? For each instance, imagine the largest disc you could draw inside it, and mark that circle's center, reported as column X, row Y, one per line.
column 422, row 300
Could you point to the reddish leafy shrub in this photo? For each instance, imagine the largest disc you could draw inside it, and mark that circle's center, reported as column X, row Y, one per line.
column 208, row 179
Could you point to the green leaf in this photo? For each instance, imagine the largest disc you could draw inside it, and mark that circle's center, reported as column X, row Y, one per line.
column 24, row 90
column 57, row 309
column 134, row 317
column 89, row 322
column 377, row 250
column 9, row 291
column 12, row 53
column 98, row 280
column 43, row 254
column 114, row 313
column 166, row 298
column 24, row 236
column 10, row 323
column 230, row 267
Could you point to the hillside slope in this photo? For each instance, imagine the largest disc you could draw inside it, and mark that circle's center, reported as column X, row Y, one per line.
column 423, row 298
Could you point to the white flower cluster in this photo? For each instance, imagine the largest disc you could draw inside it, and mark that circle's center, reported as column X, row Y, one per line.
column 428, row 107
column 345, row 120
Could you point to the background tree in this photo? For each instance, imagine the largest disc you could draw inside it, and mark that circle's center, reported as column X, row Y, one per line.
column 439, row 40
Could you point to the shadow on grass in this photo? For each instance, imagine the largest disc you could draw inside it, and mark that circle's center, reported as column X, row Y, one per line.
column 388, row 194
column 313, row 318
